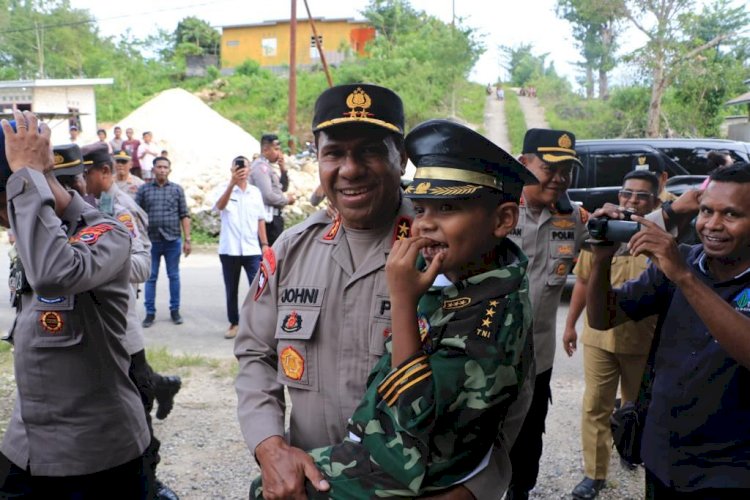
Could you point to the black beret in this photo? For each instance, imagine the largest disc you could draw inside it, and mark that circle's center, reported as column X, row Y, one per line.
column 68, row 160
column 454, row 161
column 359, row 103
column 552, row 146
column 96, row 154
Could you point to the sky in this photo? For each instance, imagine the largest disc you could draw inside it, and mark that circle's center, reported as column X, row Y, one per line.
column 499, row 22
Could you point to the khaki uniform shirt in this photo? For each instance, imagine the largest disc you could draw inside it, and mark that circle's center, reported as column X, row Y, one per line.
column 77, row 412
column 264, row 177
column 551, row 240
column 631, row 337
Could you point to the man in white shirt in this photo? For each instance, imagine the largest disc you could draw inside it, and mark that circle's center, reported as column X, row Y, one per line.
column 147, row 152
column 243, row 234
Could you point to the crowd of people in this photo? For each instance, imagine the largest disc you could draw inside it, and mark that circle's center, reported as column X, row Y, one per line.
column 411, row 328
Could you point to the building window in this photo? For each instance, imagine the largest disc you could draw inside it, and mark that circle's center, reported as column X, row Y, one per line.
column 313, row 48
column 269, row 47
column 233, row 43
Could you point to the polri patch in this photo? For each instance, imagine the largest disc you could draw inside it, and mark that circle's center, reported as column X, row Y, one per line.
column 292, row 322
column 292, row 363
column 127, row 221
column 51, row 321
column 262, row 281
column 90, row 235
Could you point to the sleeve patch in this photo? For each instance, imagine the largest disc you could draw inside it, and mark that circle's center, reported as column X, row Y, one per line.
column 127, row 220
column 90, row 235
column 262, row 281
column 270, row 258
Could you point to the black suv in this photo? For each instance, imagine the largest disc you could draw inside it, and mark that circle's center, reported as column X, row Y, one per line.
column 606, row 161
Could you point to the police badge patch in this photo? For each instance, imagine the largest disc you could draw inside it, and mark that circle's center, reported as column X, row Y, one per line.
column 51, row 321
column 292, row 322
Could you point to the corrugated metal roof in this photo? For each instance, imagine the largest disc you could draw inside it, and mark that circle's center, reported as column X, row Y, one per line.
column 72, row 82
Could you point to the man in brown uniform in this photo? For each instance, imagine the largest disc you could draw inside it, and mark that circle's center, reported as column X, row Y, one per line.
column 318, row 314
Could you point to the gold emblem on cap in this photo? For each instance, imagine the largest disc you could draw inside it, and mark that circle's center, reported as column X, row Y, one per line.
column 359, row 99
column 641, row 160
column 422, row 188
column 564, row 141
column 59, row 159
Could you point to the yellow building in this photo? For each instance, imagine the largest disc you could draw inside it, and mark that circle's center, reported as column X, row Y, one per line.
column 268, row 42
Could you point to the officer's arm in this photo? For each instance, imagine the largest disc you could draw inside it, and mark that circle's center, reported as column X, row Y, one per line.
column 262, row 181
column 260, row 396
column 140, row 251
column 53, row 265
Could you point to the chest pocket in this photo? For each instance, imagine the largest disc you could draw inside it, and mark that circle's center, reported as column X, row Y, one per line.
column 56, row 324
column 380, row 325
column 298, row 314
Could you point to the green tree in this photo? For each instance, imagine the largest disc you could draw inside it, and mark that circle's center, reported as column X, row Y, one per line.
column 195, row 36
column 522, row 65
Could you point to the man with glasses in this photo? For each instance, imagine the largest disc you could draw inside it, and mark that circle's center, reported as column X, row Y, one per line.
column 613, row 356
column 550, row 231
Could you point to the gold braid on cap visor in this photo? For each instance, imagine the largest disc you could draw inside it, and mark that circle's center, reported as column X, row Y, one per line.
column 456, row 174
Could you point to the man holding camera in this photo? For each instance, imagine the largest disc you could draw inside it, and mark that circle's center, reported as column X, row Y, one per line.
column 615, row 355
column 242, row 237
column 550, row 231
column 696, row 443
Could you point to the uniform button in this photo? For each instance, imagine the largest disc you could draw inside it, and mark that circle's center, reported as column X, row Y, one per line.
column 693, row 353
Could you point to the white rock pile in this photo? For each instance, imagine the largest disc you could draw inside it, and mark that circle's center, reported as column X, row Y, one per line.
column 202, row 143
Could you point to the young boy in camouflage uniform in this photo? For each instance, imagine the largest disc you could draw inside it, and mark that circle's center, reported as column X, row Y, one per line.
column 436, row 400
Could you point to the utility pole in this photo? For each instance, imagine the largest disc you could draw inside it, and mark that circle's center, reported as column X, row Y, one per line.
column 292, row 118
column 317, row 44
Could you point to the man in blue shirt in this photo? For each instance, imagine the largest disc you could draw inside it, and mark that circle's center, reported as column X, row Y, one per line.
column 696, row 442
column 165, row 204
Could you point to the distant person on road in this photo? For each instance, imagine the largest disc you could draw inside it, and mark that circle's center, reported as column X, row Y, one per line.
column 271, row 185
column 613, row 356
column 242, row 239
column 164, row 202
column 500, row 94
column 130, row 146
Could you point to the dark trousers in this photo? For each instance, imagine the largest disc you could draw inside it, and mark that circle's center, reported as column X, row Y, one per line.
column 124, row 481
column 274, row 229
column 656, row 490
column 231, row 266
column 145, row 379
column 527, row 450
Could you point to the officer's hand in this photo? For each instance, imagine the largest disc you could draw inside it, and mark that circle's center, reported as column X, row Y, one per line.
column 284, row 470
column 570, row 340
column 459, row 492
column 659, row 246
column 29, row 145
column 405, row 281
column 609, row 210
column 186, row 248
column 290, row 199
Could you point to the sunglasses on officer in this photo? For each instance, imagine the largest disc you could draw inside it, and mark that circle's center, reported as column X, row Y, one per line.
column 639, row 195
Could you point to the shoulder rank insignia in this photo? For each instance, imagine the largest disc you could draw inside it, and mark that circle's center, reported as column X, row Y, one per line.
column 262, row 281
column 402, row 229
column 331, row 234
column 490, row 321
column 458, row 303
column 270, row 257
column 292, row 363
column 90, row 235
column 563, row 222
column 51, row 321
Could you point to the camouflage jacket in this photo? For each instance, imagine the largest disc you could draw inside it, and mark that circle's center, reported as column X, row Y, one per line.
column 430, row 422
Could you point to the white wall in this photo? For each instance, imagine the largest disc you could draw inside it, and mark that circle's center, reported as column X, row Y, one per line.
column 59, row 100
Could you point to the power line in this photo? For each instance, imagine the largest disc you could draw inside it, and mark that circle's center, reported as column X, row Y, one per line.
column 111, row 18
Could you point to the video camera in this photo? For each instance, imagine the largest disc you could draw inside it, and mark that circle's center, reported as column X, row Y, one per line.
column 606, row 230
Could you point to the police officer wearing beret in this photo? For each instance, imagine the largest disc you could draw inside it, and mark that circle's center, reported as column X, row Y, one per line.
column 71, row 368
column 318, row 314
column 550, row 231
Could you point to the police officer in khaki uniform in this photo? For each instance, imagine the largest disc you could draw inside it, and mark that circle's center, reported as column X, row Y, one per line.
column 550, row 231
column 271, row 185
column 71, row 368
column 318, row 314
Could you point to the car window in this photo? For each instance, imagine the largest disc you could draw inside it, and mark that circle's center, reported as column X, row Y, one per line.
column 694, row 159
column 610, row 168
